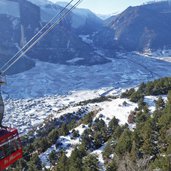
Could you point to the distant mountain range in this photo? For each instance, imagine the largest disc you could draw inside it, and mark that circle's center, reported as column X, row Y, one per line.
column 143, row 27
column 81, row 37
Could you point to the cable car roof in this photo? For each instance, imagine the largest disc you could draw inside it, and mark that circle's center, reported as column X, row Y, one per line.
column 7, row 134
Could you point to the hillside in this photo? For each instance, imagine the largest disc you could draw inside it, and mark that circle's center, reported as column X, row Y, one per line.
column 79, row 39
column 108, row 132
column 63, row 43
column 141, row 28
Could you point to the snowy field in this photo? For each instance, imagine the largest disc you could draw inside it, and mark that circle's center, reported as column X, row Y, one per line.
column 126, row 70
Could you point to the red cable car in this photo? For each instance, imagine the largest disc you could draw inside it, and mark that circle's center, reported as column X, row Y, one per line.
column 10, row 147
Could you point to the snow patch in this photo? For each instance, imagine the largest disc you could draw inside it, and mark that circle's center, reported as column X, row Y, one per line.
column 66, row 142
column 86, row 39
column 73, row 61
column 99, row 154
column 150, row 100
column 115, row 108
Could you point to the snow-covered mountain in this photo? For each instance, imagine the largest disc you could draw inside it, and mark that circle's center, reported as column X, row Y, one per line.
column 70, row 53
column 80, row 37
column 17, row 26
column 82, row 20
column 63, row 43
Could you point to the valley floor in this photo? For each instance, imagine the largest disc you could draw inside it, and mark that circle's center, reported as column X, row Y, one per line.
column 126, row 70
column 34, row 95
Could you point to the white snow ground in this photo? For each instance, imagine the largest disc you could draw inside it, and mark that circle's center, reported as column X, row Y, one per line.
column 160, row 54
column 99, row 154
column 25, row 114
column 116, row 108
column 45, row 79
column 108, row 110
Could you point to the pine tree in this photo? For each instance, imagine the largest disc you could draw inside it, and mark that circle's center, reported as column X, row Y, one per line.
column 75, row 133
column 98, row 140
column 117, row 133
column 20, row 165
column 141, row 103
column 168, row 104
column 136, row 96
column 160, row 104
column 88, row 118
column 87, row 140
column 161, row 163
column 112, row 166
column 75, row 160
column 63, row 163
column 107, row 150
column 113, row 124
column 32, row 167
column 133, row 152
column 35, row 163
column 90, row 163
column 124, row 144
column 52, row 157
column 142, row 88
column 64, row 130
column 53, row 136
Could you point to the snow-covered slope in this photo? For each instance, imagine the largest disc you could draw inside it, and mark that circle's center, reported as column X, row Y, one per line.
column 118, row 108
column 25, row 114
column 108, row 110
column 150, row 101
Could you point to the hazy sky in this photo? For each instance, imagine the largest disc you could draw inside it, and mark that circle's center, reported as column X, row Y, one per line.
column 108, row 6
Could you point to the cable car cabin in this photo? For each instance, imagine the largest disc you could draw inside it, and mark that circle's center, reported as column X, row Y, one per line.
column 10, row 147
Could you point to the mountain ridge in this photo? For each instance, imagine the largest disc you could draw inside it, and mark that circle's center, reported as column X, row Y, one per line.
column 63, row 43
column 143, row 27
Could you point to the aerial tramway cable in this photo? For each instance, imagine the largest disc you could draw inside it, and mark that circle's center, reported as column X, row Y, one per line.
column 44, row 31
